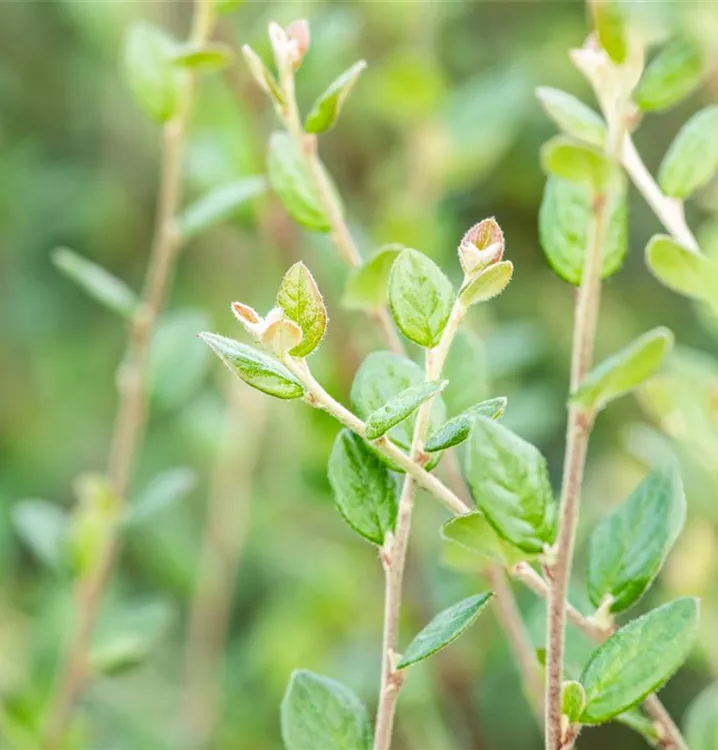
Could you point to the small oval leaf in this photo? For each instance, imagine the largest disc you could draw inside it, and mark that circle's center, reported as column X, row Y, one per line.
column 629, row 546
column 302, row 302
column 321, row 714
column 508, row 478
column 401, row 406
column 208, row 57
column 625, row 370
column 487, row 284
column 444, row 629
column 290, row 180
column 610, row 25
column 573, row 116
column 256, row 368
column 325, row 110
column 573, row 160
column 638, row 659
column 573, row 700
column 473, row 533
column 692, row 159
column 363, row 487
column 457, row 429
column 366, row 287
column 420, row 298
column 263, row 77
column 682, row 270
column 701, row 722
column 673, row 74
column 96, row 281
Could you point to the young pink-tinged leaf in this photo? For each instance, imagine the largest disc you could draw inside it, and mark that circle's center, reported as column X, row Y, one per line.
column 481, row 246
column 302, row 302
column 325, row 111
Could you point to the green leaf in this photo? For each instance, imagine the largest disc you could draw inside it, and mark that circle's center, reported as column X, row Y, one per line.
column 508, row 478
column 162, row 492
column 208, row 57
column 629, row 546
column 260, row 370
column 96, row 281
column 573, row 160
column 573, row 116
column 44, row 527
column 178, row 362
column 638, row 659
column 610, row 25
column 227, row 6
column 302, row 302
column 673, row 74
column 420, row 298
column 573, row 700
column 321, row 714
column 401, row 406
column 636, row 720
column 382, row 376
column 264, row 78
column 363, row 487
column 487, row 284
column 625, row 370
column 682, row 270
column 565, row 221
column 366, row 287
column 151, row 74
column 129, row 634
column 692, row 159
column 701, row 722
column 444, row 629
column 457, row 429
column 325, row 110
column 473, row 533
column 219, row 205
column 290, row 180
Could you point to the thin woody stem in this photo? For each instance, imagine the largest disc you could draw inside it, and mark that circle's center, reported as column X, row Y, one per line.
column 131, row 410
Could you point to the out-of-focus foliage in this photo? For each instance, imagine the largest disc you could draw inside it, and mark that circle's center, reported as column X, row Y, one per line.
column 440, row 131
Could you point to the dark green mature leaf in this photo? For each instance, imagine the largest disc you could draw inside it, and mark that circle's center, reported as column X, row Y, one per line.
column 565, row 222
column 444, row 629
column 382, row 376
column 162, row 492
column 420, row 298
column 364, row 489
column 366, row 287
column 457, row 429
column 473, row 533
column 638, row 659
column 129, row 635
column 325, row 110
column 96, row 281
column 692, row 159
column 610, row 25
column 487, row 284
column 151, row 74
column 290, row 180
column 673, row 74
column 629, row 546
column 682, row 270
column 44, row 527
column 321, row 714
column 260, row 370
column 219, row 205
column 573, row 160
column 573, row 116
column 625, row 370
column 401, row 406
column 302, row 302
column 701, row 722
column 508, row 478
column 573, row 700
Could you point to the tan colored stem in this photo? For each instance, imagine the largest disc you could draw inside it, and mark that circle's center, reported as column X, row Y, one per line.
column 131, row 411
column 223, row 540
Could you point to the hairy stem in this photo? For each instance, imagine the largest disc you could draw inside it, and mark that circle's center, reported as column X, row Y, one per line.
column 668, row 210
column 394, row 553
column 223, row 539
column 577, row 434
column 131, row 410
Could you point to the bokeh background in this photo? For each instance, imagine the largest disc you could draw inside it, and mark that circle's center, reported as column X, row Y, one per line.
column 441, row 131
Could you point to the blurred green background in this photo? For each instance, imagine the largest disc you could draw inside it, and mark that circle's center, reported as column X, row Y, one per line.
column 441, row 131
